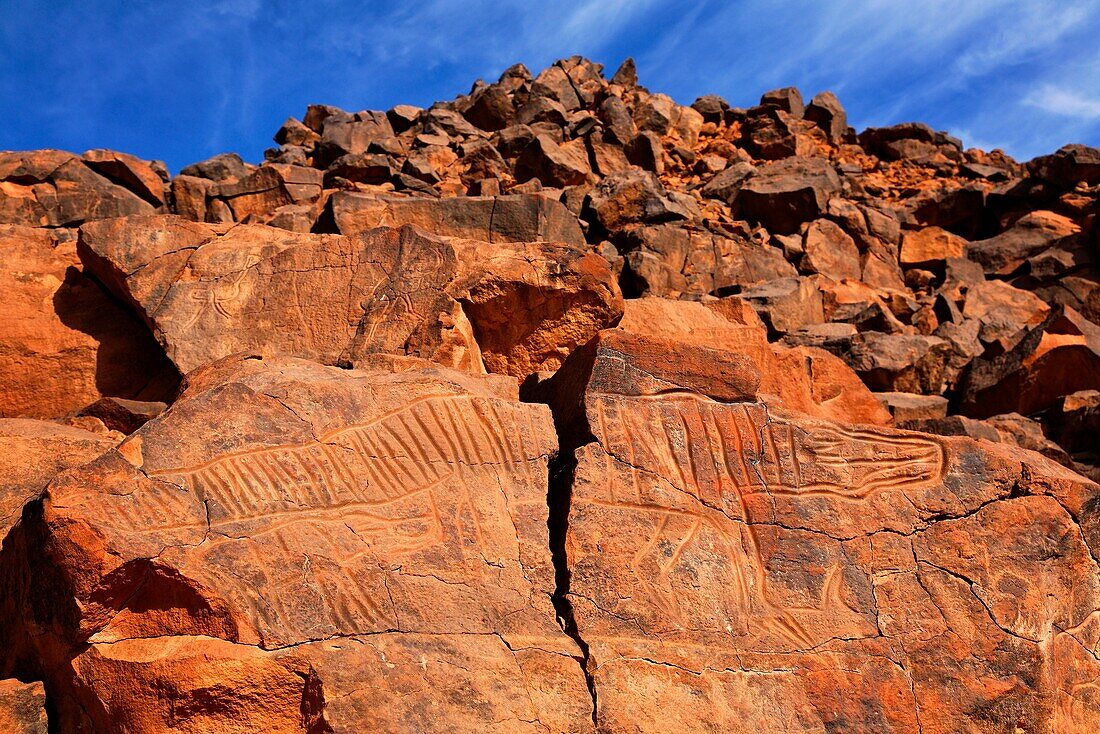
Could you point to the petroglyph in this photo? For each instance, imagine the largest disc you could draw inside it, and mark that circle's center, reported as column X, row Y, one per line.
column 221, row 296
column 719, row 456
column 711, row 449
column 367, row 471
column 327, row 520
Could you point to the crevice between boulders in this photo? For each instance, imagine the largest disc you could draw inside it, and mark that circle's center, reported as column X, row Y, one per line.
column 558, row 499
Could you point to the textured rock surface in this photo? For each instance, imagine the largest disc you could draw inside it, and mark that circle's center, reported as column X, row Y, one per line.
column 63, row 341
column 22, row 707
column 52, row 188
column 356, row 548
column 528, row 218
column 728, row 564
column 807, row 380
column 34, row 452
column 210, row 291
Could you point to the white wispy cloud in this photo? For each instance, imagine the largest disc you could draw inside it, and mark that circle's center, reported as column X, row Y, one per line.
column 593, row 20
column 1064, row 101
column 960, row 66
column 1012, row 36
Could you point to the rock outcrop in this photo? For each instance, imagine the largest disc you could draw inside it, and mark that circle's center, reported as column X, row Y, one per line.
column 23, row 707
column 556, row 407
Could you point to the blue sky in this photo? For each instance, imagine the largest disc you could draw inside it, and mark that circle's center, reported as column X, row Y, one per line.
column 181, row 81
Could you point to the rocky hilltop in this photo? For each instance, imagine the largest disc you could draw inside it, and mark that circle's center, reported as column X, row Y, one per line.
column 558, row 407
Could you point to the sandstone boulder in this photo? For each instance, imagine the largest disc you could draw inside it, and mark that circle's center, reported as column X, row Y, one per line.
column 491, row 109
column 784, row 194
column 786, row 304
column 900, row 362
column 224, row 167
column 635, row 196
column 788, row 99
column 1028, row 434
column 344, row 134
column 906, row 140
column 906, row 407
column 1007, row 252
column 295, row 547
column 1005, row 314
column 257, row 196
column 553, row 164
column 1075, row 422
column 730, row 566
column 946, row 205
column 867, row 308
column 955, row 425
column 22, row 707
column 671, row 260
column 63, row 341
column 830, row 251
column 514, row 218
column 122, row 415
column 726, row 184
column 806, row 380
column 147, row 179
column 929, row 247
column 826, row 111
column 51, row 188
column 772, row 133
column 209, row 291
column 1058, row 357
column 34, row 452
column 1068, row 166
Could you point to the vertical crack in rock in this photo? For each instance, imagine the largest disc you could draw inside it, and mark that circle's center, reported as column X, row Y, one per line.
column 313, row 704
column 492, row 215
column 559, row 494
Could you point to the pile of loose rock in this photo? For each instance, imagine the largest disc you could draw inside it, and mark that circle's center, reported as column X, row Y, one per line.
column 556, row 407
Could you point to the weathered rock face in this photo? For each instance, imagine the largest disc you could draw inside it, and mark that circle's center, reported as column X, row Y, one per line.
column 332, row 549
column 51, row 188
column 1031, row 235
column 34, row 452
column 1061, row 355
column 784, row 194
column 806, row 380
column 896, row 362
column 22, row 707
column 930, row 247
column 521, row 218
column 63, row 341
column 124, row 416
column 670, row 260
column 208, row 291
column 733, row 565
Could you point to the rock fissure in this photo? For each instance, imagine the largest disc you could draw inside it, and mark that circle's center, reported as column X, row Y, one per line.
column 558, row 499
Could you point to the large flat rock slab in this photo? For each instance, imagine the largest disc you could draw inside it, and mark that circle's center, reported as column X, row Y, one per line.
column 515, row 218
column 22, row 707
column 734, row 565
column 208, row 291
column 355, row 546
column 34, row 453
